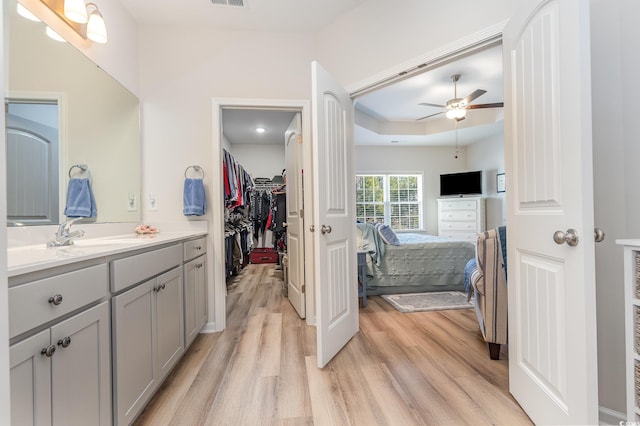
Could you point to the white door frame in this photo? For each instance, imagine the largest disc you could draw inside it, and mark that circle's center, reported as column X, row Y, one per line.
column 218, row 290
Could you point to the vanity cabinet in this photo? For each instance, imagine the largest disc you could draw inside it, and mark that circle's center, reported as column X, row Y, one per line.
column 195, row 288
column 62, row 374
column 148, row 325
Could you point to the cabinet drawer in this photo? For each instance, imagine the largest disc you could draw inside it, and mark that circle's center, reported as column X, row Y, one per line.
column 30, row 305
column 134, row 269
column 458, row 205
column 458, row 226
column 194, row 248
column 461, row 236
column 459, row 215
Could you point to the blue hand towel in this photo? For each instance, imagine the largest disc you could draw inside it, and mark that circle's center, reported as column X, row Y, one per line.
column 195, row 203
column 80, row 200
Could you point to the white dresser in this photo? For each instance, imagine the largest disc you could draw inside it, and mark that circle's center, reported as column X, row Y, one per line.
column 632, row 325
column 461, row 218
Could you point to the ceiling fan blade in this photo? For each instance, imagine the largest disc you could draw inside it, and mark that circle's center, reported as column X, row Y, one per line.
column 427, row 116
column 473, row 96
column 493, row 105
column 432, row 105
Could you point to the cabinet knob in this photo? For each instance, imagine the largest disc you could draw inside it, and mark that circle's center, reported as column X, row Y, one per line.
column 56, row 300
column 48, row 351
column 64, row 342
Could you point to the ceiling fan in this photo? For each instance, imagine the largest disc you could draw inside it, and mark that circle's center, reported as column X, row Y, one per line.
column 456, row 108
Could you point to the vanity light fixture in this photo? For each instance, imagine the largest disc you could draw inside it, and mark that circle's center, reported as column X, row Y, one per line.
column 85, row 19
column 76, row 11
column 96, row 29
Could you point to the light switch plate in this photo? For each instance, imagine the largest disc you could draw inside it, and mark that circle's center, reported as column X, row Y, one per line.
column 153, row 202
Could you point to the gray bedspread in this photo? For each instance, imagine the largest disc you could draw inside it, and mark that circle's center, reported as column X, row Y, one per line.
column 420, row 263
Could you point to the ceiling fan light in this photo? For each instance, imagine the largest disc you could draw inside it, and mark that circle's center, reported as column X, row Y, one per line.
column 76, row 11
column 456, row 113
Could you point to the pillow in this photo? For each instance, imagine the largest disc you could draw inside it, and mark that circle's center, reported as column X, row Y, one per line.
column 387, row 234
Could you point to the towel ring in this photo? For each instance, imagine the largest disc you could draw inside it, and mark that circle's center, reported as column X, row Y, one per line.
column 196, row 168
column 83, row 168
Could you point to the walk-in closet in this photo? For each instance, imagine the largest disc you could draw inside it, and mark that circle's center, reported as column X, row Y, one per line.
column 255, row 193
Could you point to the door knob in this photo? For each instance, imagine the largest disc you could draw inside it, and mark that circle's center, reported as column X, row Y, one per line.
column 325, row 229
column 570, row 237
column 598, row 235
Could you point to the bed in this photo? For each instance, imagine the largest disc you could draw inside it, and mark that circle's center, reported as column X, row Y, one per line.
column 412, row 262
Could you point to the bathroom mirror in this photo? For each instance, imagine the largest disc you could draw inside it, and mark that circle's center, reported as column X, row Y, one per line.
column 98, row 124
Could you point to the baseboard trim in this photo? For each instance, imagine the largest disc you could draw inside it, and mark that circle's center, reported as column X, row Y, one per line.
column 209, row 327
column 611, row 417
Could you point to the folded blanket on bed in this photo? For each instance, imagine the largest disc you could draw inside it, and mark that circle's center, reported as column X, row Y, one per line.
column 369, row 240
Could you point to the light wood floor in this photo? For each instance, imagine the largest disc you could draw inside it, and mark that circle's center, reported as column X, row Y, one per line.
column 428, row 368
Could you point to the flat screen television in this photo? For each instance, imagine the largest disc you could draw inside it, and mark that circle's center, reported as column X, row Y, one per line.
column 465, row 183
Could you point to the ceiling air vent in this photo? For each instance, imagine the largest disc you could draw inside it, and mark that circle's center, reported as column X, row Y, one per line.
column 240, row 3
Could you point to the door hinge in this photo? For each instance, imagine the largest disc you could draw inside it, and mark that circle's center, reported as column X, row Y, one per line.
column 299, row 138
column 304, row 287
column 301, row 213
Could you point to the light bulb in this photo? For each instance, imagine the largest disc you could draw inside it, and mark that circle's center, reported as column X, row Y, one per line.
column 96, row 29
column 25, row 13
column 76, row 11
column 54, row 35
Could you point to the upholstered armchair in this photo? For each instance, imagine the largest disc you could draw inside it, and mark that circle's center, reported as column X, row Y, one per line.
column 486, row 282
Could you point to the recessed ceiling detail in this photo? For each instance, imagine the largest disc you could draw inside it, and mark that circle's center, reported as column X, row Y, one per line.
column 238, row 3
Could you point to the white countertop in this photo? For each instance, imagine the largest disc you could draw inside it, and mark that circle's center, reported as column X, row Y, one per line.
column 32, row 258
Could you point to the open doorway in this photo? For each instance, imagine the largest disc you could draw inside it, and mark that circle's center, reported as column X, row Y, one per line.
column 263, row 155
column 407, row 138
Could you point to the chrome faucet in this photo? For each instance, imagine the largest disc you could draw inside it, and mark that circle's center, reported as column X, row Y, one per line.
column 63, row 236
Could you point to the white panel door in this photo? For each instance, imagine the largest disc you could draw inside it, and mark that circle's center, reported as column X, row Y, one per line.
column 295, row 223
column 334, row 215
column 552, row 311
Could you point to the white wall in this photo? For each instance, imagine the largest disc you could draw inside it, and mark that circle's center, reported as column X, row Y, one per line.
column 380, row 34
column 5, row 402
column 616, row 151
column 260, row 160
column 488, row 155
column 431, row 161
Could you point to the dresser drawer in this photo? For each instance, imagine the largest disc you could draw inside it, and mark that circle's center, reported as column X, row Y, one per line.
column 461, row 236
column 459, row 215
column 458, row 226
column 134, row 269
column 458, row 205
column 195, row 248
column 39, row 302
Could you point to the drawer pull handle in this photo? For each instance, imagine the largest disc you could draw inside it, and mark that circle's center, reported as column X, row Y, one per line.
column 48, row 351
column 56, row 300
column 199, row 265
column 64, row 342
column 198, row 248
column 159, row 288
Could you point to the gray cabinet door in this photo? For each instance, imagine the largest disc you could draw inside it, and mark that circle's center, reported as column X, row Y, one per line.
column 81, row 369
column 31, row 381
column 169, row 320
column 135, row 377
column 195, row 297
